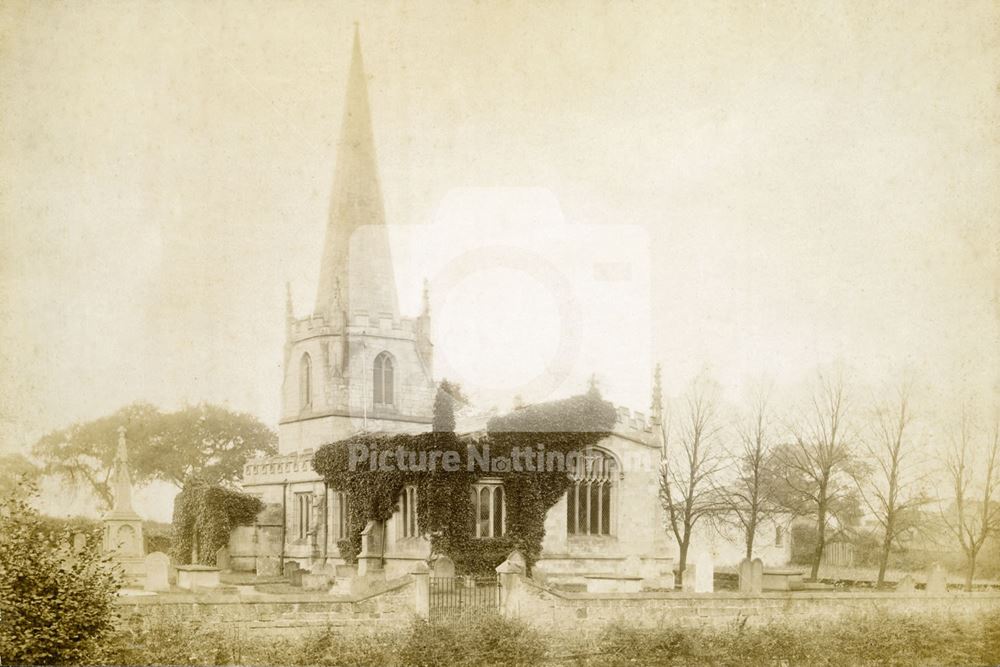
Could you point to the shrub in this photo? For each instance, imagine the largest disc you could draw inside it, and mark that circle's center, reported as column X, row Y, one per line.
column 167, row 642
column 896, row 640
column 472, row 639
column 803, row 544
column 57, row 606
column 334, row 649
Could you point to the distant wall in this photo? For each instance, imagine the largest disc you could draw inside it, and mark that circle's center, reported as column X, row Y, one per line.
column 556, row 610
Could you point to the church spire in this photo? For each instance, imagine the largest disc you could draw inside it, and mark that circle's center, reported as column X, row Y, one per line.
column 356, row 273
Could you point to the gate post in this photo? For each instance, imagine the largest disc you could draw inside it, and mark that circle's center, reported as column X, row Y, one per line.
column 509, row 574
column 421, row 589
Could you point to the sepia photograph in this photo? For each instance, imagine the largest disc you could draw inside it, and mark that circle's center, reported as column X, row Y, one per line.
column 500, row 332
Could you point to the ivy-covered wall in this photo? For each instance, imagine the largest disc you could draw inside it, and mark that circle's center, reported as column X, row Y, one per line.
column 204, row 516
column 445, row 510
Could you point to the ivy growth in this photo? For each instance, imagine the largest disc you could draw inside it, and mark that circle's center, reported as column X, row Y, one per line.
column 204, row 516
column 446, row 510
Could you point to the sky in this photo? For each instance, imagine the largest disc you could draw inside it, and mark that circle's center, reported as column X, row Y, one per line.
column 796, row 185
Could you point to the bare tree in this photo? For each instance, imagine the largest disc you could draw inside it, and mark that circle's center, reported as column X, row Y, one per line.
column 690, row 465
column 975, row 482
column 750, row 499
column 816, row 468
column 893, row 494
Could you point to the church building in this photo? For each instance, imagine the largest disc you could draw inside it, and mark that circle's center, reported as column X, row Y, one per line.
column 356, row 364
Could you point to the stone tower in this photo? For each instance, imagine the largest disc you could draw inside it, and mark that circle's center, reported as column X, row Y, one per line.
column 355, row 363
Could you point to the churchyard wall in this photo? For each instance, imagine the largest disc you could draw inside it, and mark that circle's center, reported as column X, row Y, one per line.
column 278, row 615
column 548, row 609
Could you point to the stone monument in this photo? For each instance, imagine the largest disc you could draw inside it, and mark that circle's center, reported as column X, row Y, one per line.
column 122, row 525
column 704, row 576
column 937, row 580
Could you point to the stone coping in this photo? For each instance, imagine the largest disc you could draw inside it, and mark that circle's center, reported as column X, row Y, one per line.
column 784, row 572
column 609, row 557
column 768, row 595
column 197, row 568
column 623, row 577
column 215, row 597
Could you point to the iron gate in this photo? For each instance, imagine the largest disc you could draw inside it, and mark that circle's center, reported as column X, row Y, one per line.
column 464, row 593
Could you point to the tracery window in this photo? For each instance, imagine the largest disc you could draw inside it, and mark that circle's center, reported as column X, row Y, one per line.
column 489, row 509
column 590, row 501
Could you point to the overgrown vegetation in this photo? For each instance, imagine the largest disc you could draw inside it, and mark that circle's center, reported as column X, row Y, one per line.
column 204, row 516
column 56, row 604
column 446, row 510
column 475, row 640
column 883, row 640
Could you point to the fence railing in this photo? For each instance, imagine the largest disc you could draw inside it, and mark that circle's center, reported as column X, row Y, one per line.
column 464, row 593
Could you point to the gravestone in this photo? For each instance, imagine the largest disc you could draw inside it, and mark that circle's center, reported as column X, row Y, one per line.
column 688, row 577
column 370, row 558
column 746, row 575
column 517, row 558
column 442, row 566
column 937, row 580
column 906, row 584
column 79, row 542
column 222, row 558
column 294, row 573
column 704, row 579
column 757, row 576
column 157, row 572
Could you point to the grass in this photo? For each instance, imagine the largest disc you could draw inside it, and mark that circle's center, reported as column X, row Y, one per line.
column 485, row 639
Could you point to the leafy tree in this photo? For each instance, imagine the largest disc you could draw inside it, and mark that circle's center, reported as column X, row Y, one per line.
column 818, row 469
column 57, row 606
column 693, row 461
column 15, row 469
column 205, row 440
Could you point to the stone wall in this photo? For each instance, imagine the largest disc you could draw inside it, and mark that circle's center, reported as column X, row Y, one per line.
column 285, row 615
column 548, row 609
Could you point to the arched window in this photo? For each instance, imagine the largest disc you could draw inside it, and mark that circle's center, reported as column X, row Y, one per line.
column 407, row 516
column 382, row 381
column 305, row 381
column 489, row 509
column 590, row 501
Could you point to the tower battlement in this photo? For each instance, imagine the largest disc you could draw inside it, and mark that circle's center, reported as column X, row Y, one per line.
column 360, row 324
column 635, row 425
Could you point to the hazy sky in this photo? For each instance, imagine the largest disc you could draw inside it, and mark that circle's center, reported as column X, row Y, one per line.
column 817, row 182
